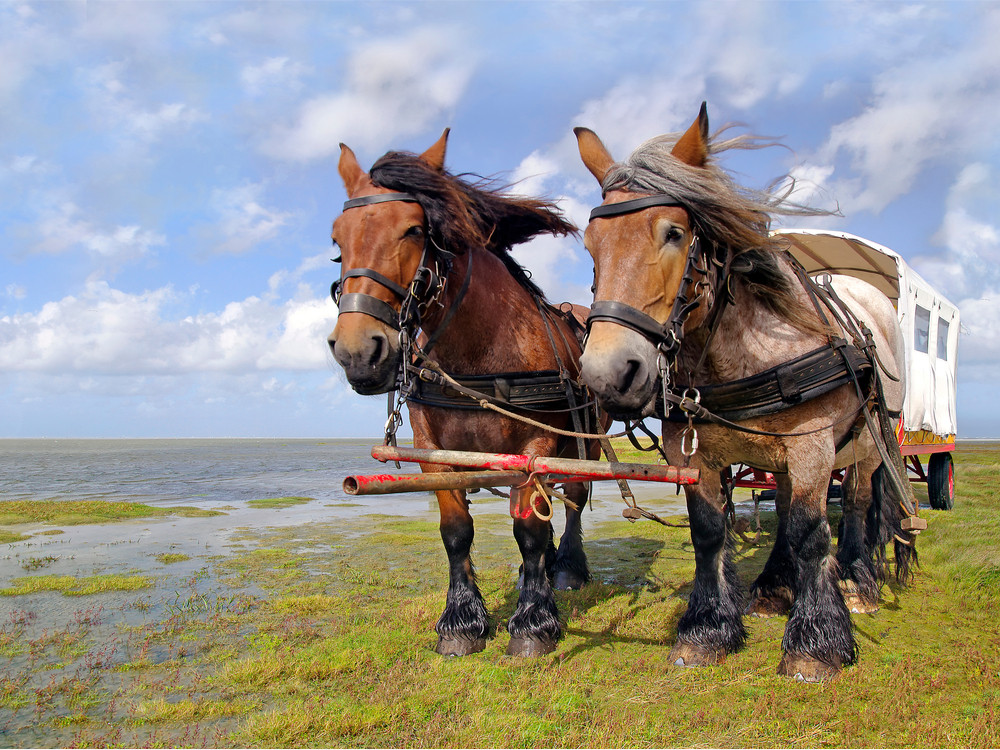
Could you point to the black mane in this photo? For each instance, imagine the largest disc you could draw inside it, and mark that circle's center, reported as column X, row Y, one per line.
column 462, row 214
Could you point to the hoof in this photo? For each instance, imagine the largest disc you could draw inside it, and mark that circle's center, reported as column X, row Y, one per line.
column 530, row 648
column 855, row 602
column 807, row 669
column 567, row 580
column 769, row 606
column 690, row 655
column 457, row 646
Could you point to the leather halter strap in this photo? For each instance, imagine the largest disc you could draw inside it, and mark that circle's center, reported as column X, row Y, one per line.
column 665, row 336
column 366, row 303
column 636, row 204
column 367, row 200
column 630, row 317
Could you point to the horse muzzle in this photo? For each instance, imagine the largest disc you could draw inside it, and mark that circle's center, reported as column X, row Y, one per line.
column 621, row 373
column 370, row 359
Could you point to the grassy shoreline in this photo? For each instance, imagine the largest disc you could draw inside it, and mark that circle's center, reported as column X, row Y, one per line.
column 321, row 635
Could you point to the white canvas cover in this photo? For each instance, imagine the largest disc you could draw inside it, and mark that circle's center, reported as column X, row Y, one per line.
column 930, row 323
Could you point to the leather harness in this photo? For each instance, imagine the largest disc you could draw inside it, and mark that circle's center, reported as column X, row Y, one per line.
column 769, row 392
column 549, row 391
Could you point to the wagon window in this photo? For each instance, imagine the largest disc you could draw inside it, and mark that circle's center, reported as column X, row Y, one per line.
column 921, row 329
column 942, row 338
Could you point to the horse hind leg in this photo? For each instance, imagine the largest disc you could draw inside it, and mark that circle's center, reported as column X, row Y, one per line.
column 860, row 557
column 570, row 570
column 534, row 627
column 712, row 626
column 464, row 624
column 773, row 592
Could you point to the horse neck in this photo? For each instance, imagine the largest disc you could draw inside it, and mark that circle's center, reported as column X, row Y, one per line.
column 497, row 326
column 749, row 339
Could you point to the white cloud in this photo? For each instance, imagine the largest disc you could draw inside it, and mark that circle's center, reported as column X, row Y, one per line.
column 925, row 110
column 105, row 331
column 548, row 259
column 275, row 73
column 969, row 235
column 62, row 228
column 25, row 45
column 243, row 222
column 395, row 87
column 127, row 117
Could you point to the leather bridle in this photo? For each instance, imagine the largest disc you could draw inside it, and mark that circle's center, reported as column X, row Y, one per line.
column 425, row 288
column 667, row 336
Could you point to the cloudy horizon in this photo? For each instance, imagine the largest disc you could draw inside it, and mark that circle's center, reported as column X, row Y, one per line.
column 168, row 173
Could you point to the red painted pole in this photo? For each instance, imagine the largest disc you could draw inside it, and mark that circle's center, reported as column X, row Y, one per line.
column 383, row 484
column 579, row 469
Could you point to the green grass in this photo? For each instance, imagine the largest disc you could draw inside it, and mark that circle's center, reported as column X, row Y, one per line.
column 75, row 512
column 73, row 586
column 168, row 558
column 336, row 650
column 279, row 502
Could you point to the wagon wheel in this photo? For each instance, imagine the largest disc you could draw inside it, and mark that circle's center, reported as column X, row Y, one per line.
column 941, row 481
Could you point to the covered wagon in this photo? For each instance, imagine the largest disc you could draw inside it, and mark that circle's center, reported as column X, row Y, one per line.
column 930, row 325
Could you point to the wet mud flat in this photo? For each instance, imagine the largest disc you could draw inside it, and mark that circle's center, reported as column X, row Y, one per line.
column 311, row 624
column 99, row 622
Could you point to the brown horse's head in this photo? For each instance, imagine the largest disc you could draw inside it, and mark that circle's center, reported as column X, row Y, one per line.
column 387, row 239
column 639, row 260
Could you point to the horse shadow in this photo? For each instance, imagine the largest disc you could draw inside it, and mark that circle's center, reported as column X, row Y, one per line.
column 626, row 569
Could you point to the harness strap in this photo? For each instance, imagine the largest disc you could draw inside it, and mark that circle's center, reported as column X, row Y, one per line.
column 373, row 274
column 778, row 388
column 620, row 313
column 529, row 391
column 373, row 306
column 367, row 200
column 432, row 339
column 636, row 204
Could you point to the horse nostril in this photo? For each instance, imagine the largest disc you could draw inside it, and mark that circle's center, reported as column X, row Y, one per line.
column 378, row 350
column 632, row 367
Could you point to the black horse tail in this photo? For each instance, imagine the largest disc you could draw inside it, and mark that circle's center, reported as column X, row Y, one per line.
column 885, row 517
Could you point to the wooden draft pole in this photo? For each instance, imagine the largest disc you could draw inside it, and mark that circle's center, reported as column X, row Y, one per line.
column 500, row 470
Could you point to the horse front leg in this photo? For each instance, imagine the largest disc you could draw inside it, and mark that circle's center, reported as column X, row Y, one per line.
column 464, row 624
column 818, row 638
column 570, row 570
column 534, row 626
column 712, row 626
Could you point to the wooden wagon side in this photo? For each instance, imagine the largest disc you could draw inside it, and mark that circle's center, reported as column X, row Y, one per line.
column 930, row 325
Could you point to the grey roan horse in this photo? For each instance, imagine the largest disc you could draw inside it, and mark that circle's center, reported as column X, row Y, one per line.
column 692, row 292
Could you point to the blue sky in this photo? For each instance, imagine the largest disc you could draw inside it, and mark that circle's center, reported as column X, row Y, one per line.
column 168, row 172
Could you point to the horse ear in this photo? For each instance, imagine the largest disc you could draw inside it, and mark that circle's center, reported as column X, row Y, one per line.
column 434, row 156
column 692, row 148
column 594, row 154
column 350, row 171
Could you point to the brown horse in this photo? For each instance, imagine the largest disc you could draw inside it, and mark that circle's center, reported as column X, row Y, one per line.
column 695, row 303
column 426, row 276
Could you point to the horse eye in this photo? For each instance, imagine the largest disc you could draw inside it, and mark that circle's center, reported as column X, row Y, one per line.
column 339, row 255
column 415, row 231
column 674, row 235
